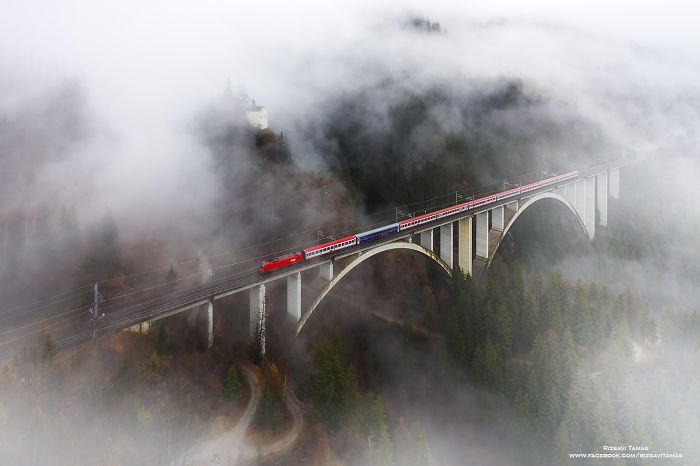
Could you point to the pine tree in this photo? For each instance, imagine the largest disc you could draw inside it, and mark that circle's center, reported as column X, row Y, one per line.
column 334, row 384
column 582, row 323
column 595, row 303
column 527, row 324
column 418, row 451
column 162, row 339
column 523, row 406
column 454, row 338
column 268, row 415
column 554, row 298
column 647, row 326
column 566, row 361
column 233, row 385
column 49, row 348
column 561, row 445
column 377, row 432
column 517, row 285
column 570, row 418
column 171, row 276
column 534, row 279
column 548, row 415
column 541, row 361
column 502, row 332
column 487, row 367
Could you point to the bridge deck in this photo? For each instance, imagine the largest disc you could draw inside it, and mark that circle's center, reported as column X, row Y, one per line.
column 120, row 317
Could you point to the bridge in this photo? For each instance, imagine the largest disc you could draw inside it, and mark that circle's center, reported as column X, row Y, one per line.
column 468, row 240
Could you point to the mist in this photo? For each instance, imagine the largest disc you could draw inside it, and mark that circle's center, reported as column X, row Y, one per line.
column 117, row 110
column 143, row 72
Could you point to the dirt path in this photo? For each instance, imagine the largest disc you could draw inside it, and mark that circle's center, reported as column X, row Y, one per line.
column 252, row 451
column 233, row 446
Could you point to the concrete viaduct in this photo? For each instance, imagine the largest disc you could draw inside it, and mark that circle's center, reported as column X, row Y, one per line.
column 485, row 228
column 468, row 240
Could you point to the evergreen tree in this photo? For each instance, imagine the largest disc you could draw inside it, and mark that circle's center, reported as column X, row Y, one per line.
column 566, row 360
column 233, row 385
column 534, row 279
column 162, row 339
column 502, row 332
column 461, row 331
column 582, row 324
column 647, row 326
column 524, row 407
column 153, row 362
column 377, row 432
column 527, row 324
column 171, row 276
column 487, row 367
column 541, row 362
column 561, row 445
column 334, row 384
column 548, row 415
column 418, row 451
column 570, row 418
column 553, row 298
column 454, row 338
column 49, row 348
column 268, row 415
column 517, row 285
column 595, row 303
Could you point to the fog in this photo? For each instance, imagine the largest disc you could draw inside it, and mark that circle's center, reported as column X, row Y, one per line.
column 144, row 71
column 101, row 106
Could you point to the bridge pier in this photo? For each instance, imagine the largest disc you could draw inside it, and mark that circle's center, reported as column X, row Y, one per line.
column 294, row 296
column 589, row 207
column 497, row 218
column 512, row 206
column 560, row 190
column 446, row 244
column 257, row 314
column 482, row 235
column 143, row 327
column 580, row 199
column 464, row 245
column 205, row 322
column 326, row 271
column 570, row 193
column 602, row 197
column 426, row 239
column 614, row 183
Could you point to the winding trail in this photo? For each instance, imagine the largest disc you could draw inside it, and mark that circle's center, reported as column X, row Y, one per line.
column 233, row 446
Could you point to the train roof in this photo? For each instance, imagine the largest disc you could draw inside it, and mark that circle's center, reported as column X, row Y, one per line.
column 490, row 196
column 330, row 243
column 450, row 208
column 420, row 217
column 377, row 230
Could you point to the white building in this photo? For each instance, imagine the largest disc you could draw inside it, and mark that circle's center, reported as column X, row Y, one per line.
column 257, row 116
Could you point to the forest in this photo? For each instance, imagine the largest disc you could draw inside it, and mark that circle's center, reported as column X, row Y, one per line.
column 537, row 360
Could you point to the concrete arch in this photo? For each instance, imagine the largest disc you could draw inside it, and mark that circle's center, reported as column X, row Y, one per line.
column 363, row 257
column 522, row 208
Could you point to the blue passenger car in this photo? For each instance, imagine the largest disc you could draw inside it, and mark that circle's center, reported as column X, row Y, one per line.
column 377, row 233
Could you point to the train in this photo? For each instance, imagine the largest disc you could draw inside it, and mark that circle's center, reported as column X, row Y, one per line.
column 376, row 233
